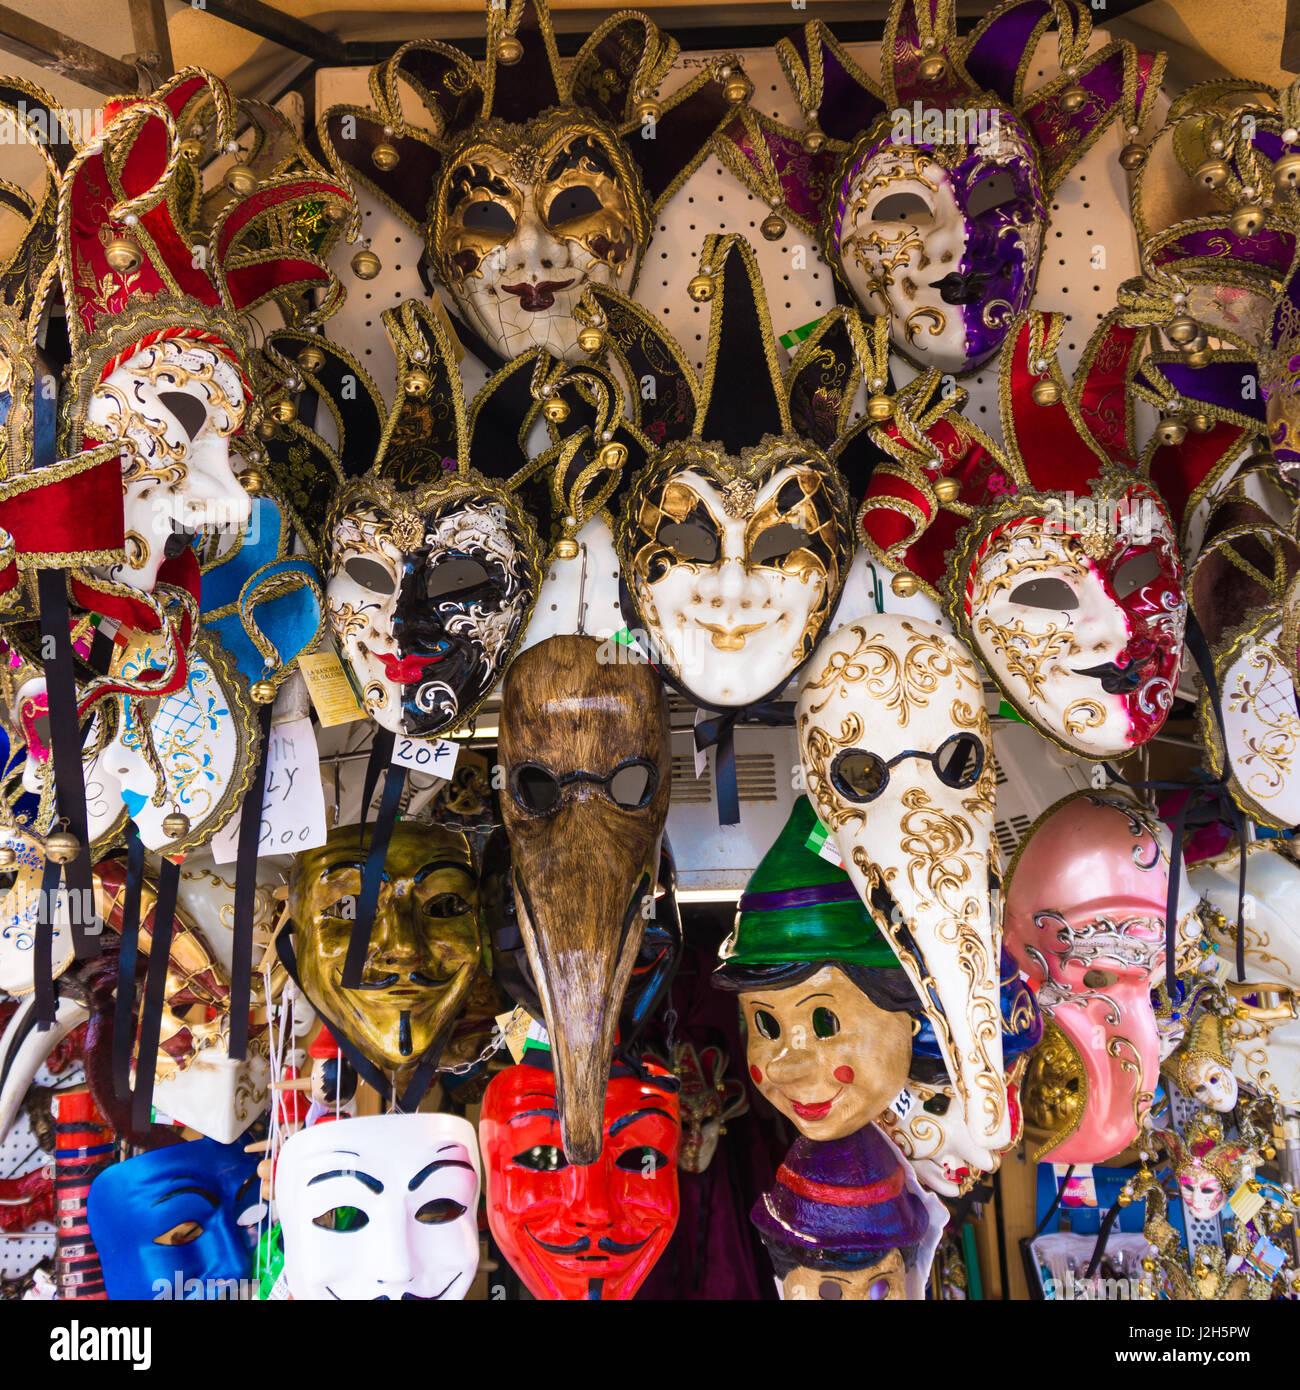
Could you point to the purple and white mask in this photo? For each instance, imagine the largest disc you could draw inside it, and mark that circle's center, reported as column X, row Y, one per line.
column 937, row 220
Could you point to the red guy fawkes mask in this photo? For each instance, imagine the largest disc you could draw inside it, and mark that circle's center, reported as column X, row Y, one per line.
column 591, row 1232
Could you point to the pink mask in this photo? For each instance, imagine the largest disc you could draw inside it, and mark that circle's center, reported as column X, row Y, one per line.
column 1085, row 920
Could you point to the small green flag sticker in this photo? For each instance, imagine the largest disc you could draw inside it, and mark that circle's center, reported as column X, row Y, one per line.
column 820, row 842
column 1006, row 712
column 792, row 339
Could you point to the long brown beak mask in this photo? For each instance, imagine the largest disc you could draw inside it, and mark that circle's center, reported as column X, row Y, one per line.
column 586, row 749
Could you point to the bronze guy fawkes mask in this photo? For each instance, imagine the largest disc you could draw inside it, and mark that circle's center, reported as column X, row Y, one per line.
column 425, row 949
column 586, row 755
column 734, row 541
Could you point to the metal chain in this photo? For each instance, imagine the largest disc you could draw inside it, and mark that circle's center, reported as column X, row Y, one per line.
column 463, row 1068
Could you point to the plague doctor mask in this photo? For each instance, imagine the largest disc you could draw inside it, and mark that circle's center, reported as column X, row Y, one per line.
column 586, row 751
column 898, row 759
column 383, row 1207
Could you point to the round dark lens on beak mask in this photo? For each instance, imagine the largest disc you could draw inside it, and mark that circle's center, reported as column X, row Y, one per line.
column 858, row 774
column 936, row 1105
column 455, row 576
column 370, row 574
column 632, row 785
column 959, row 761
column 534, row 788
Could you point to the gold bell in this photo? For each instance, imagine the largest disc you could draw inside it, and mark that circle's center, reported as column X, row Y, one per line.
column 266, row 429
column 1131, row 157
column 736, row 88
column 1171, row 431
column 905, row 585
column 1212, row 174
column 365, row 264
column 1286, row 172
column 591, row 340
column 566, row 549
column 1183, row 329
column 62, row 847
column 813, row 140
column 647, row 110
column 284, row 410
column 241, row 179
column 262, row 691
column 1124, row 1199
column 701, row 288
column 509, row 51
column 1200, row 422
column 933, row 70
column 311, row 358
column 1199, row 356
column 1247, row 220
column 1072, row 99
column 773, row 227
column 879, row 407
column 612, row 456
column 123, row 255
column 8, row 856
column 253, row 481
column 384, row 156
column 947, row 489
column 556, row 410
column 192, row 150
column 1046, row 392
column 176, row 825
column 417, row 382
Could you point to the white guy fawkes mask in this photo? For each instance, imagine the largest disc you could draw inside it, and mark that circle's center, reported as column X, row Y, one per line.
column 525, row 217
column 176, row 405
column 898, row 760
column 380, row 1207
column 428, row 598
column 1082, row 631
column 734, row 581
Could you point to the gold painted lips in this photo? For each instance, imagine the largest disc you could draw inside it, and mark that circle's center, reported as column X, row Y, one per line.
column 730, row 639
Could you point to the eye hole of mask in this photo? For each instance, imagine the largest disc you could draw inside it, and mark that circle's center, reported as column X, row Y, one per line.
column 1136, row 571
column 41, row 728
column 959, row 760
column 825, row 1023
column 189, row 410
column 252, row 1215
column 571, row 203
column 879, row 1289
column 902, row 207
column 341, row 1219
column 633, row 784
column 829, row 1290
column 937, row 1105
column 777, row 542
column 1046, row 593
column 542, row 1158
column 766, row 1025
column 692, row 540
column 990, row 193
column 485, row 216
column 645, row 1160
column 184, row 1233
column 447, row 905
column 439, row 1211
column 454, row 576
column 534, row 788
column 8, row 877
column 858, row 774
column 369, row 574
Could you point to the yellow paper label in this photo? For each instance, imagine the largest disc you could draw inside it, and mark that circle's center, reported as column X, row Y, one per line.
column 330, row 690
column 514, row 1026
column 1246, row 1202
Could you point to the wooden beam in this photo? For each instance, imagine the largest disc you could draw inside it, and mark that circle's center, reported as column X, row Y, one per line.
column 47, row 48
column 269, row 23
column 1291, row 37
column 149, row 32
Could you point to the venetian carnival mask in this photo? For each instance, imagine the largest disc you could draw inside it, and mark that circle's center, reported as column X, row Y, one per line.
column 898, row 760
column 1201, row 1065
column 177, row 1221
column 843, row 1222
column 425, row 948
column 1085, row 920
column 1206, row 1166
column 20, row 902
column 941, row 230
column 585, row 748
column 574, row 1231
column 381, row 1207
column 175, row 406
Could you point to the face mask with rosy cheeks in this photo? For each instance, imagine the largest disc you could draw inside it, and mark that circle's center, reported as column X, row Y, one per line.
column 425, row 947
column 1083, row 633
column 383, row 1207
column 175, row 404
column 591, row 1232
column 526, row 217
column 734, row 576
column 1206, row 1165
column 945, row 239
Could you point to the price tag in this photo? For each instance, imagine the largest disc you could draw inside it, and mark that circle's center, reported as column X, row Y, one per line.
column 1246, row 1202
column 293, row 807
column 330, row 689
column 514, row 1028
column 436, row 756
column 820, row 842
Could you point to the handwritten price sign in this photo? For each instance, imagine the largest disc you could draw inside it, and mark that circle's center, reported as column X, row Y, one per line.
column 436, row 756
column 293, row 806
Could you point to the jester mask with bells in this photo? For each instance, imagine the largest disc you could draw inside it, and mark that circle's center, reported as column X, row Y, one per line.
column 1085, row 920
column 1266, row 1058
column 1055, row 557
column 159, row 359
column 1201, row 1065
column 532, row 180
column 898, row 760
column 426, row 946
column 586, row 756
column 432, row 566
column 735, row 534
column 1206, row 1166
column 930, row 192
